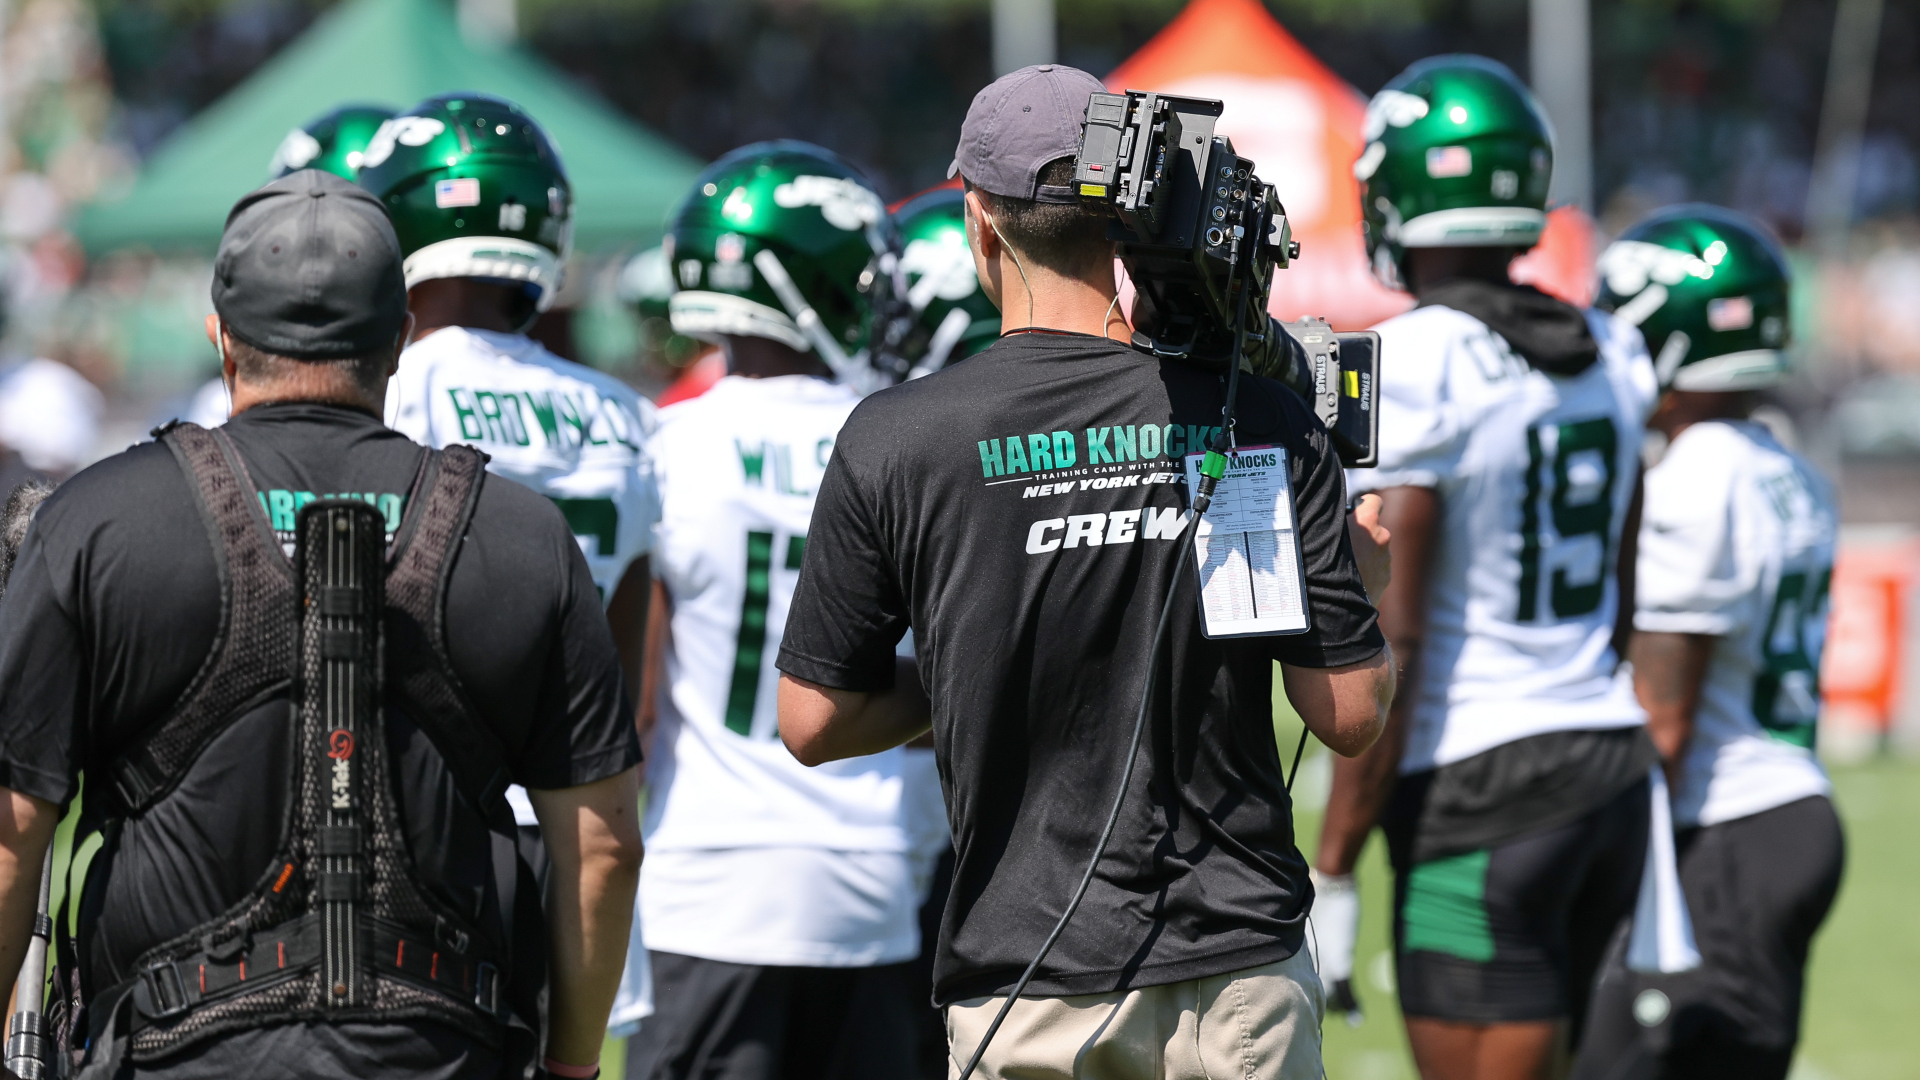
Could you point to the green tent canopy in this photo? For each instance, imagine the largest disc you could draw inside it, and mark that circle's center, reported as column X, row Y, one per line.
column 389, row 52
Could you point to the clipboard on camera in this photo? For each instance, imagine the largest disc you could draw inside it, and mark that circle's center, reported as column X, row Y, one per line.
column 1247, row 551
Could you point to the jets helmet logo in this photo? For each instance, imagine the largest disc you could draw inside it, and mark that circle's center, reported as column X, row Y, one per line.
column 1629, row 265
column 946, row 262
column 1643, row 271
column 295, row 151
column 1395, row 108
column 844, row 203
column 404, row 130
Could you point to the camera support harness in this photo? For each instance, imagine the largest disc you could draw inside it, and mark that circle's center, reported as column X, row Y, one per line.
column 339, row 926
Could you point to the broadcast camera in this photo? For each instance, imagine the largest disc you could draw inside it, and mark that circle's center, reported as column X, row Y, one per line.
column 1201, row 236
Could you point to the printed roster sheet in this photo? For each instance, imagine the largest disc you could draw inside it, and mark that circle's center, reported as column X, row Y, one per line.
column 1248, row 556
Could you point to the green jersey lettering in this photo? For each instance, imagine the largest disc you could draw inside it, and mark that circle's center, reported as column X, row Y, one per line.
column 464, row 410
column 751, row 646
column 752, row 462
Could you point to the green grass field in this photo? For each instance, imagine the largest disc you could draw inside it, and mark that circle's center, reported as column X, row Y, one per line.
column 1864, row 993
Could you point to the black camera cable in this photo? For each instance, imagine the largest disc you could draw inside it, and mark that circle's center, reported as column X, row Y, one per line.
column 1212, row 469
column 1106, row 833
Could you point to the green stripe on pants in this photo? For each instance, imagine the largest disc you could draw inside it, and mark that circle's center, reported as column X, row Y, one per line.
column 1446, row 907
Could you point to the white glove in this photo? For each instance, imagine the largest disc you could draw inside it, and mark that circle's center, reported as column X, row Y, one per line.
column 1336, row 930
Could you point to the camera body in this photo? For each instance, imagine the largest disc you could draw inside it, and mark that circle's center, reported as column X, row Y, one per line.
column 1201, row 236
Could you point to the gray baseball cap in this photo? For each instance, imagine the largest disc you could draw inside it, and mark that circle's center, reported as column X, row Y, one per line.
column 309, row 268
column 1019, row 123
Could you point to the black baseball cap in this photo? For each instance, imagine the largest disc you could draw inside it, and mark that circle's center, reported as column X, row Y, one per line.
column 1017, row 124
column 309, row 268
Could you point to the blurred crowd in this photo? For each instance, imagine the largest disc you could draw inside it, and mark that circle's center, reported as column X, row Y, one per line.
column 1691, row 102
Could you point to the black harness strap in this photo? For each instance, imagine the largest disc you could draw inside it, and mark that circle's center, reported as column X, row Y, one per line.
column 169, row 989
column 252, row 654
column 422, row 673
column 340, row 927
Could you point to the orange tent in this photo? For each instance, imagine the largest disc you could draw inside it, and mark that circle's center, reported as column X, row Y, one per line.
column 1301, row 124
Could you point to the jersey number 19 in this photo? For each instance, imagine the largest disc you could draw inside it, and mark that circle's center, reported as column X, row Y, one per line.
column 1580, row 464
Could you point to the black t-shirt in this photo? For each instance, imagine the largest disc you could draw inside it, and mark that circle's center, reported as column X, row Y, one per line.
column 1019, row 511
column 112, row 609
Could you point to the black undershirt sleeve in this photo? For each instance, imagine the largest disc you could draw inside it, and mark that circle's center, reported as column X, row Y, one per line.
column 848, row 611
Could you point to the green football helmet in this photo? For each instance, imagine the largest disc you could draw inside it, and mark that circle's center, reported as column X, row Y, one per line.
column 1709, row 289
column 476, row 190
column 1458, row 154
column 787, row 241
column 336, row 142
column 953, row 319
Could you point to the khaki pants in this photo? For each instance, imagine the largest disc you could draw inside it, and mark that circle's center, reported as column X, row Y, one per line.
column 1262, row 1023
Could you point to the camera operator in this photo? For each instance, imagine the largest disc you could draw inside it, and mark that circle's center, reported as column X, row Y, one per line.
column 146, row 640
column 1023, row 512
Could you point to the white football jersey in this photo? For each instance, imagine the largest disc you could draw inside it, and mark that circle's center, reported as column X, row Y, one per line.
column 569, row 432
column 738, row 468
column 1736, row 541
column 1535, row 473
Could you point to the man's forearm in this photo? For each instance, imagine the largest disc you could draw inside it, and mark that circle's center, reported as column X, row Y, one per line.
column 592, row 920
column 593, row 838
column 26, row 828
column 1669, row 671
column 820, row 724
column 1362, row 785
column 1627, row 568
column 1345, row 707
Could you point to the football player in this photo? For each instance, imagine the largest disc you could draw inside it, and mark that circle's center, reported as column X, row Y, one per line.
column 1736, row 552
column 779, row 902
column 335, row 141
column 484, row 213
column 953, row 317
column 1513, row 779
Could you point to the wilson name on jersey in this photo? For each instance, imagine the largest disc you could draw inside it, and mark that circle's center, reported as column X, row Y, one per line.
column 571, row 433
column 1736, row 542
column 1535, row 473
column 738, row 468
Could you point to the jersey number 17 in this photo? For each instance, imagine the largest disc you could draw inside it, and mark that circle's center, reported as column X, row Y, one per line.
column 750, row 648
